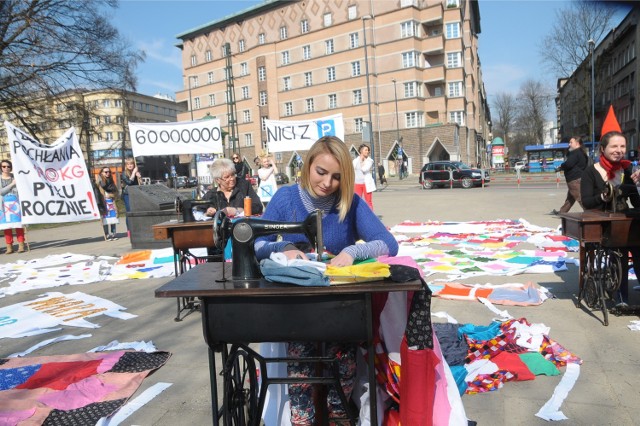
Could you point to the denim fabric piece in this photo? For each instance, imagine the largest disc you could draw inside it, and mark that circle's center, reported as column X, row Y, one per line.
column 299, row 275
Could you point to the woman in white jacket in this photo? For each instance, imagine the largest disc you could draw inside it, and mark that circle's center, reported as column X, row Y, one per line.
column 365, row 185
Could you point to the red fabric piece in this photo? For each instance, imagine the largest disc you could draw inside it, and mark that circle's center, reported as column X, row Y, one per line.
column 391, row 418
column 610, row 123
column 59, row 375
column 417, row 385
column 513, row 364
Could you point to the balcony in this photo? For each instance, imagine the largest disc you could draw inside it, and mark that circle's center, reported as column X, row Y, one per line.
column 433, row 44
column 432, row 14
column 433, row 74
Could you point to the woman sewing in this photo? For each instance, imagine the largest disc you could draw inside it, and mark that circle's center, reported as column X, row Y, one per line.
column 327, row 183
column 607, row 184
column 230, row 192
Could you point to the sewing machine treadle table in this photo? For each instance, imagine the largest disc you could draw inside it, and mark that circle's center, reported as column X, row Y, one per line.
column 604, row 242
column 236, row 313
column 185, row 236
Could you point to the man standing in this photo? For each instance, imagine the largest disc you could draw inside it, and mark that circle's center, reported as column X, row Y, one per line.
column 575, row 163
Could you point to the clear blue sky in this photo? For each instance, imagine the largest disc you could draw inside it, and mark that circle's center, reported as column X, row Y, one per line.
column 511, row 32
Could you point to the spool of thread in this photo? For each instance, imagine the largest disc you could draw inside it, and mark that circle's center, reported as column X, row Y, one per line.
column 247, row 206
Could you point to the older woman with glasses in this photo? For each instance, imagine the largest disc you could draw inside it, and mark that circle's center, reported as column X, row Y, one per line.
column 230, row 192
column 9, row 194
column 107, row 193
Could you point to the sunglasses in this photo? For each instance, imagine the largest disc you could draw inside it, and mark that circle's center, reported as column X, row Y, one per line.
column 107, row 172
column 6, row 167
column 235, row 158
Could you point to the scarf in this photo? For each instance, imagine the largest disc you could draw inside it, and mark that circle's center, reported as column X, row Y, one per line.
column 612, row 167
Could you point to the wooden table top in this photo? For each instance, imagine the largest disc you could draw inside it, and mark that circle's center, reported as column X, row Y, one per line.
column 200, row 281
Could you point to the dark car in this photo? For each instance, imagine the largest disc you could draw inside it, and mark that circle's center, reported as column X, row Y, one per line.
column 192, row 182
column 180, row 182
column 444, row 173
column 282, row 179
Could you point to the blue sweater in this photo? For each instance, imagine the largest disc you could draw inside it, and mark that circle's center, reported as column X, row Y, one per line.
column 359, row 224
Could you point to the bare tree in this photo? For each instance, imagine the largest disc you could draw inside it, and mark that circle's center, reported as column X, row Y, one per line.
column 506, row 107
column 566, row 45
column 533, row 105
column 48, row 47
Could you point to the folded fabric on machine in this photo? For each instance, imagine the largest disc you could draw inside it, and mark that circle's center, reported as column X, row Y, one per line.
column 307, row 276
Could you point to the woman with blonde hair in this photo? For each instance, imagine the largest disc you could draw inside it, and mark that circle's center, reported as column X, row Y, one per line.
column 130, row 177
column 108, row 191
column 326, row 184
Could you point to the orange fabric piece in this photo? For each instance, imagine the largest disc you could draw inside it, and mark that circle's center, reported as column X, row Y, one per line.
column 458, row 291
column 136, row 256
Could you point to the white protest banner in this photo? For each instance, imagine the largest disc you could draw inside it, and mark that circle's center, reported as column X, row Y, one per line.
column 52, row 180
column 192, row 137
column 300, row 135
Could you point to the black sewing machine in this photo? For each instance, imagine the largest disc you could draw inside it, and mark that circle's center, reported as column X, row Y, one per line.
column 243, row 233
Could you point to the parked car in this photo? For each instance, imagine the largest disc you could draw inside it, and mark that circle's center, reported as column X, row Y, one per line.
column 181, row 182
column 441, row 173
column 282, row 179
column 192, row 182
column 521, row 166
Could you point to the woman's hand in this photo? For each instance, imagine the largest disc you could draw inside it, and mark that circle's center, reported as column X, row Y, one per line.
column 232, row 211
column 342, row 259
column 210, row 212
column 635, row 176
column 295, row 254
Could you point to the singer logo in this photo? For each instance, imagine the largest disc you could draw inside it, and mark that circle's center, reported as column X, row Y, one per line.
column 275, row 226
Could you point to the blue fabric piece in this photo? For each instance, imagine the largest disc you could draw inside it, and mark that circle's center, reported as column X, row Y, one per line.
column 306, row 276
column 12, row 377
column 516, row 295
column 480, row 332
column 459, row 373
column 360, row 223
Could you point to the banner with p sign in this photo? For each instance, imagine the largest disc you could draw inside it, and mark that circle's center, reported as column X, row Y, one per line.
column 299, row 135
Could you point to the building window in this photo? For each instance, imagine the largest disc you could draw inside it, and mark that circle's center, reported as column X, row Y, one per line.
column 408, row 29
column 108, row 136
column 355, row 69
column 453, row 30
column 196, row 102
column 308, row 81
column 106, row 103
column 196, row 82
column 455, row 89
column 288, row 108
column 409, row 59
column 453, row 3
column 327, row 19
column 262, row 73
column 286, row 83
column 261, row 38
column 358, row 124
column 285, row 57
column 306, row 52
column 304, row 26
column 107, row 119
column 244, row 69
column 119, row 119
column 212, row 100
column 354, row 40
column 412, row 119
column 263, row 98
column 283, row 33
column 207, row 56
column 194, row 61
column 245, row 92
column 457, row 117
column 410, row 89
column 118, row 103
column 309, row 104
column 454, row 60
column 437, row 91
column 357, row 97
column 328, row 47
column 333, row 101
column 120, row 136
column 246, row 116
column 331, row 74
column 97, row 121
column 241, row 46
column 352, row 12
column 248, row 140
column 210, row 77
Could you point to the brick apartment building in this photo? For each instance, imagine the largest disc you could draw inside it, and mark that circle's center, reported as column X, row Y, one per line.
column 308, row 59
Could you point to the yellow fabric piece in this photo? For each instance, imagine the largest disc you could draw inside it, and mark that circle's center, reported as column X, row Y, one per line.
column 370, row 271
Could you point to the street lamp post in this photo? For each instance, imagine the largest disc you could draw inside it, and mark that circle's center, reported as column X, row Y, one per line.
column 398, row 138
column 366, row 70
column 190, row 98
column 592, row 45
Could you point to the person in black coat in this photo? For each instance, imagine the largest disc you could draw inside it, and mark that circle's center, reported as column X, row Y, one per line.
column 573, row 167
column 609, row 180
column 241, row 168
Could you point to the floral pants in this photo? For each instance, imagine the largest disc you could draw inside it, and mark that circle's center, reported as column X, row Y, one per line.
column 300, row 394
